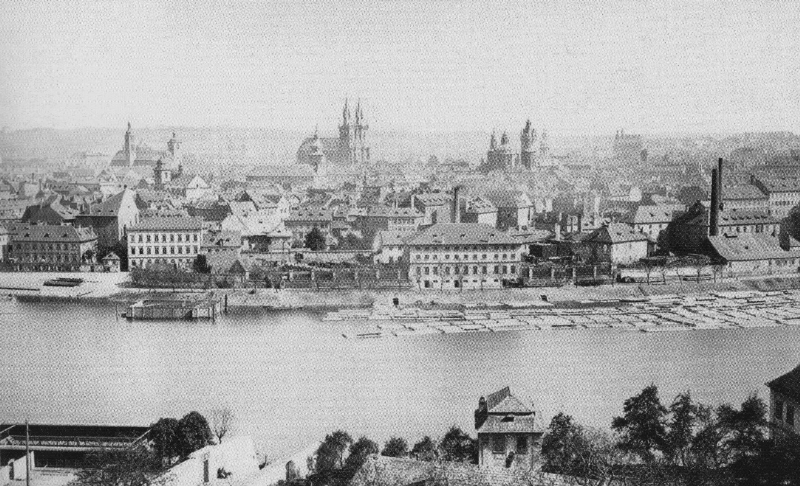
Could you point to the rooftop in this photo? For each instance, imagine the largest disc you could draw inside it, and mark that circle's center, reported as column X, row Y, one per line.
column 787, row 384
column 462, row 234
column 165, row 223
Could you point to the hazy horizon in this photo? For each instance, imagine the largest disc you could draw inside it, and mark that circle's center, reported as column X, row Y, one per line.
column 576, row 69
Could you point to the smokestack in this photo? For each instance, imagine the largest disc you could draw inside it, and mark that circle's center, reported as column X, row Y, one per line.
column 720, row 198
column 713, row 222
column 456, row 217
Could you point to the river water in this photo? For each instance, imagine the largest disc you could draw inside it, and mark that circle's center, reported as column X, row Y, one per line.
column 290, row 378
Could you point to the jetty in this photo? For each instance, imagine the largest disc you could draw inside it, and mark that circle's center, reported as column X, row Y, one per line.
column 188, row 309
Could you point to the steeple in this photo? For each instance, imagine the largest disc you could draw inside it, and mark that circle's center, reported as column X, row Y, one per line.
column 492, row 142
column 129, row 147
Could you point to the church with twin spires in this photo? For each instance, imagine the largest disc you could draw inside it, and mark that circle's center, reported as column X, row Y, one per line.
column 350, row 150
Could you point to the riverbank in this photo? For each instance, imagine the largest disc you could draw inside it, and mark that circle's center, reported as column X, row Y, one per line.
column 107, row 286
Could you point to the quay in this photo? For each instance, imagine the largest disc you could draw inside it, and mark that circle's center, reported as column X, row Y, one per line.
column 207, row 308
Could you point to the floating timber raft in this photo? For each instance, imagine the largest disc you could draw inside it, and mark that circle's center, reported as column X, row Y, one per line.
column 174, row 309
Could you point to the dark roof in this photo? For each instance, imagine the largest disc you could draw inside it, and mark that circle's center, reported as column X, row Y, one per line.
column 749, row 247
column 50, row 232
column 162, row 223
column 787, row 384
column 433, row 198
column 510, row 423
column 462, row 234
column 652, row 215
column 223, row 239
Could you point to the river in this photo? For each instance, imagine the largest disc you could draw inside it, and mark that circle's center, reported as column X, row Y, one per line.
column 290, row 378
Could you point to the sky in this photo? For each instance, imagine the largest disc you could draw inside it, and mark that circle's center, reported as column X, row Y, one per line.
column 578, row 67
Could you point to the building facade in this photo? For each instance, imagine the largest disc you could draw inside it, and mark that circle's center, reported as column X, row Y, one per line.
column 167, row 241
column 50, row 247
column 450, row 256
column 784, row 403
column 509, row 432
column 111, row 218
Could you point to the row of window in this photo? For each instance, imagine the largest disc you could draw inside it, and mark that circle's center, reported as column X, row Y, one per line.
column 497, row 269
column 466, row 257
column 465, row 248
column 147, row 262
column 163, row 250
column 784, row 412
column 181, row 237
column 46, row 246
column 50, row 258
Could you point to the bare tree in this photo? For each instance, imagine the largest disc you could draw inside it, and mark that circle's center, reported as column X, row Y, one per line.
column 221, row 421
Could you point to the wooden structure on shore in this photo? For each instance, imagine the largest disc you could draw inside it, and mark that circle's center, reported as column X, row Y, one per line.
column 174, row 309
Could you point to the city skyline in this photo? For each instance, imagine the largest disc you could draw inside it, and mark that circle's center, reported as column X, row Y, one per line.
column 688, row 67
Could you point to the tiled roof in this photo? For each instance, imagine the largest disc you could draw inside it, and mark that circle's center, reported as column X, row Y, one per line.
column 652, row 215
column 224, row 239
column 394, row 238
column 508, row 199
column 511, row 423
column 386, row 212
column 433, row 198
column 480, row 205
column 614, row 233
column 462, row 234
column 112, row 205
column 510, row 404
column 310, row 214
column 775, row 184
column 161, row 223
column 49, row 232
column 749, row 247
column 742, row 192
column 787, row 384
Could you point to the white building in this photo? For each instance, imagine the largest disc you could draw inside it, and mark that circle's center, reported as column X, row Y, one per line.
column 170, row 241
column 462, row 255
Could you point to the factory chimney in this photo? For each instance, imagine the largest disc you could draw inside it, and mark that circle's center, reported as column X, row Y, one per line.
column 721, row 199
column 713, row 222
column 456, row 215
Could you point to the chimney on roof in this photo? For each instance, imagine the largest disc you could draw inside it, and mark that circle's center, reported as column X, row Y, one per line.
column 713, row 222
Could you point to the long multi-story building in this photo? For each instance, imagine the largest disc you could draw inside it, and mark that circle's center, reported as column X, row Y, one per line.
column 168, row 241
column 462, row 255
column 783, row 194
column 47, row 247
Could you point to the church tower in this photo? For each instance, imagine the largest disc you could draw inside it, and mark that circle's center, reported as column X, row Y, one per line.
column 527, row 150
column 361, row 143
column 130, row 149
column 174, row 148
column 344, row 128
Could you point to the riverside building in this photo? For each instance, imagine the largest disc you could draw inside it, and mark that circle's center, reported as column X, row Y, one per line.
column 161, row 240
column 462, row 255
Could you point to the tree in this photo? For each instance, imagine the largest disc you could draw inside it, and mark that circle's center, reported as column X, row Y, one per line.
column 395, row 447
column 200, row 264
column 134, row 466
column 315, row 240
column 641, row 427
column 557, row 444
column 360, row 450
column 193, row 433
column 683, row 420
column 743, row 431
column 424, row 450
column 88, row 256
column 457, row 445
column 221, row 420
column 164, row 435
column 330, row 454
